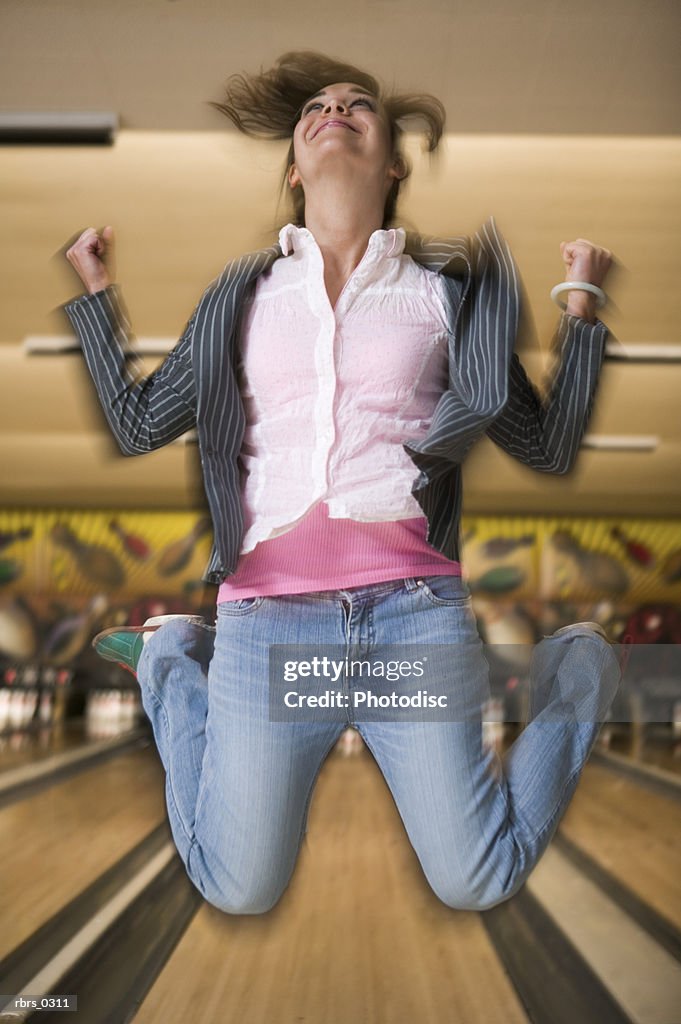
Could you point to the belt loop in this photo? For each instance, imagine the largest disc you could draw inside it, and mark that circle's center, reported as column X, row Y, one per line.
column 411, row 584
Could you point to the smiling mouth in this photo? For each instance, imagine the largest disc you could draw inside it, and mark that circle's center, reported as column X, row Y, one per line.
column 331, row 124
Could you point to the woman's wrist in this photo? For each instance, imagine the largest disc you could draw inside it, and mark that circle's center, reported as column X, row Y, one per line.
column 583, row 298
column 581, row 304
column 98, row 284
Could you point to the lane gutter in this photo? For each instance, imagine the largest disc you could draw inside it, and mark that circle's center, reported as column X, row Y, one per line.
column 108, row 945
column 20, row 783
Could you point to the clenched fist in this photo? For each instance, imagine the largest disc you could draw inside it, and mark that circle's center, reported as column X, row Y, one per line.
column 587, row 262
column 87, row 255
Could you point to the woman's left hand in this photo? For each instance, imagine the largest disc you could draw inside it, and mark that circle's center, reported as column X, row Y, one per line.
column 584, row 261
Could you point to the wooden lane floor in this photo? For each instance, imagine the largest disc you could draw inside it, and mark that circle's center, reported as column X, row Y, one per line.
column 626, row 960
column 58, row 841
column 360, row 936
column 631, row 832
column 357, row 936
column 651, row 745
column 31, row 747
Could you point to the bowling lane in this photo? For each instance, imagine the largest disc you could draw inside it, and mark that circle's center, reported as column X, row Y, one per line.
column 643, row 977
column 650, row 746
column 631, row 832
column 358, row 935
column 58, row 841
column 32, row 746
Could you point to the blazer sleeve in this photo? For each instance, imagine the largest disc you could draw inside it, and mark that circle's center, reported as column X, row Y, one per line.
column 545, row 432
column 144, row 412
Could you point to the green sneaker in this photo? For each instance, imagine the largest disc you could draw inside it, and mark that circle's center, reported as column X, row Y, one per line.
column 124, row 644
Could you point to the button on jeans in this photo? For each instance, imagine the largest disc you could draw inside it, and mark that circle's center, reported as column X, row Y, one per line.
column 239, row 784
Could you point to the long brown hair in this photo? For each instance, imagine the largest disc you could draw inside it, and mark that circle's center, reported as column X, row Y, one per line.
column 268, row 106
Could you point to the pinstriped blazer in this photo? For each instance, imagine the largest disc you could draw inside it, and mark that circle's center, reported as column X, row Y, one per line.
column 488, row 390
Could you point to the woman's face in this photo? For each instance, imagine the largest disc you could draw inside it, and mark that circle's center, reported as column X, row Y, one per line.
column 342, row 122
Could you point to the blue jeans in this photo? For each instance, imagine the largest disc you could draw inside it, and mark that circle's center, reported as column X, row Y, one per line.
column 238, row 784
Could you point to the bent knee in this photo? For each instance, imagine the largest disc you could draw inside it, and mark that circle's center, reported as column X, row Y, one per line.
column 241, row 903
column 226, row 891
column 475, row 897
column 477, row 903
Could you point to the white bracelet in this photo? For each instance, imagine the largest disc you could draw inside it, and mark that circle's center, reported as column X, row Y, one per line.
column 582, row 286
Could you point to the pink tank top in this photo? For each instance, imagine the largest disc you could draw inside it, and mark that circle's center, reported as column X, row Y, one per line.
column 333, row 554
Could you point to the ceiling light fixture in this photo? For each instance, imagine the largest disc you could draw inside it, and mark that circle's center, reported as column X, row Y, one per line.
column 621, row 442
column 58, row 128
column 54, row 344
column 640, row 352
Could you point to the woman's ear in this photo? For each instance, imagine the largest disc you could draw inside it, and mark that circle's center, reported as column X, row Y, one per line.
column 399, row 169
column 293, row 176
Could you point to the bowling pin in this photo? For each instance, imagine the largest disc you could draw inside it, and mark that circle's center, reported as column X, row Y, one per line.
column 134, row 545
column 637, row 551
column 5, row 696
column 176, row 556
column 94, row 561
column 350, row 743
column 45, row 708
column 16, row 707
column 493, row 724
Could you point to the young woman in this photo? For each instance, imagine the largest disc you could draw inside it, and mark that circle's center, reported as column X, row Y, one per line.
column 337, row 381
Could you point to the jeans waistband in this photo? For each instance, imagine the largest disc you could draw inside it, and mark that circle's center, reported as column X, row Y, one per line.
column 365, row 592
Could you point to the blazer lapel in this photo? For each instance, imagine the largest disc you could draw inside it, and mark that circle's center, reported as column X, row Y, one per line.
column 214, row 340
column 220, row 414
column 483, row 288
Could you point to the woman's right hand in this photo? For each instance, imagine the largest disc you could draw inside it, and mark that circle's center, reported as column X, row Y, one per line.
column 87, row 256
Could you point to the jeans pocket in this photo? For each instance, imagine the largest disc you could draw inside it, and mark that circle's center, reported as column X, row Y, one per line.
column 445, row 591
column 241, row 606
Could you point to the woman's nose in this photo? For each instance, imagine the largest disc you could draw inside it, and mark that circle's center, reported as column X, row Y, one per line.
column 337, row 105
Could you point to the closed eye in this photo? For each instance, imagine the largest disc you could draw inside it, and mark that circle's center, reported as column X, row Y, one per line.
column 318, row 105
